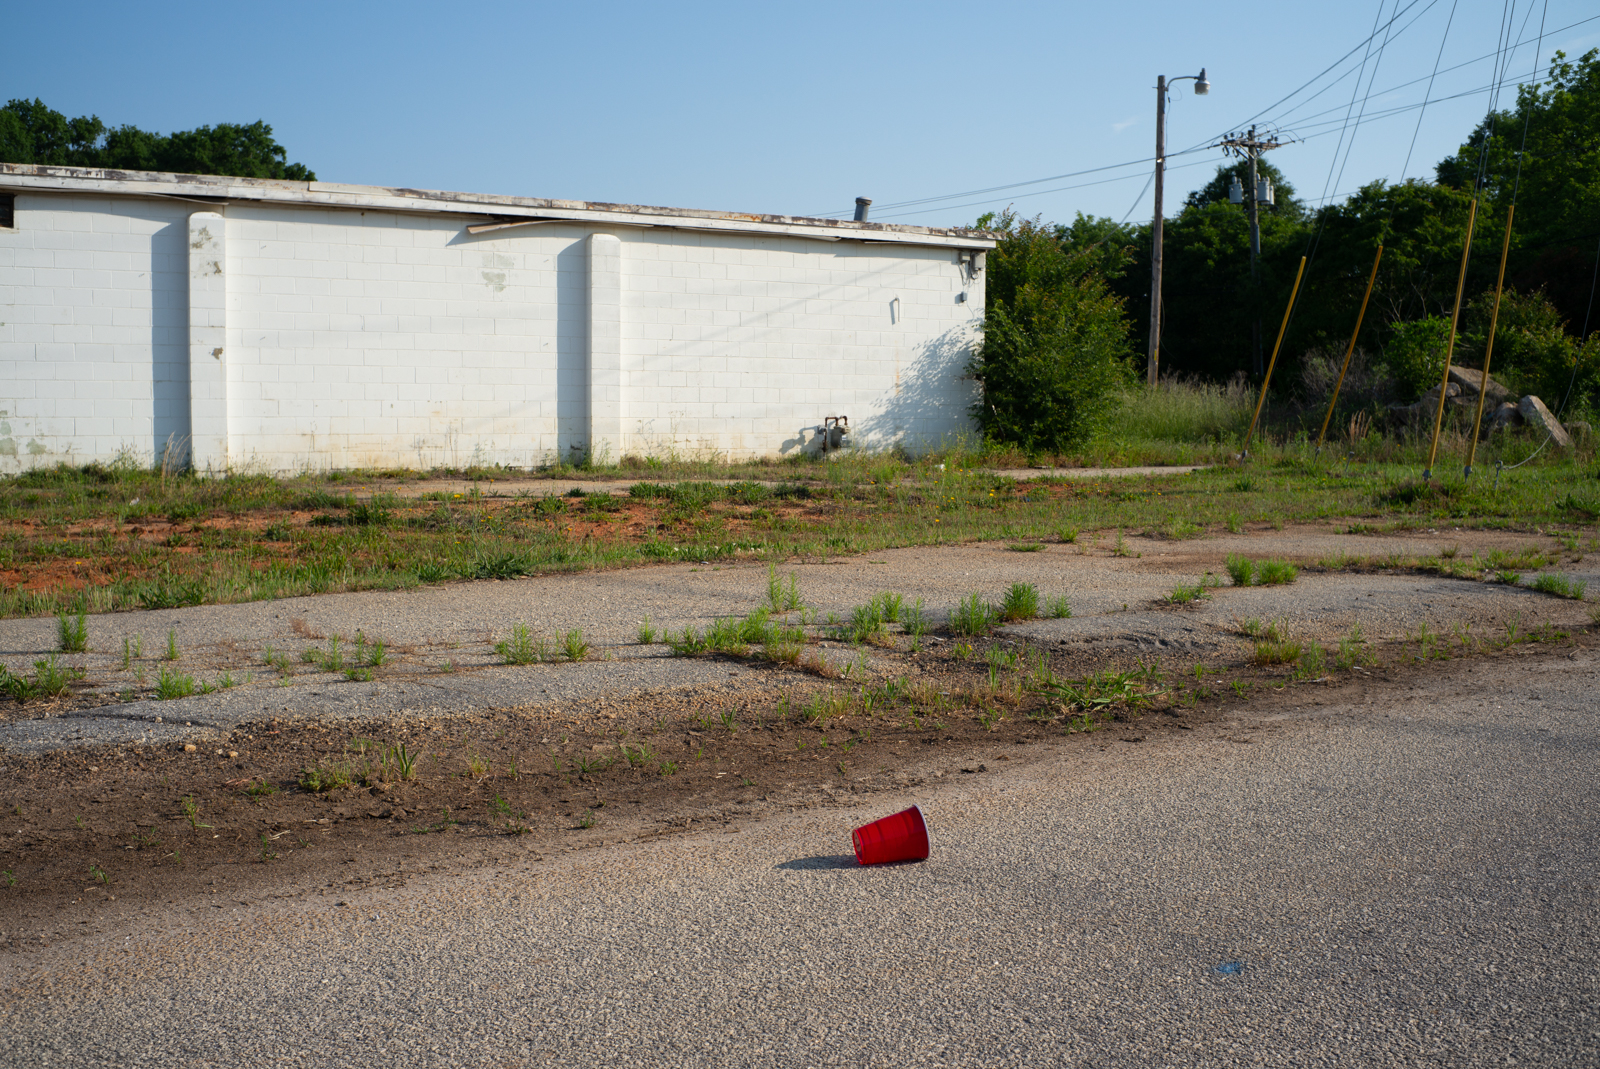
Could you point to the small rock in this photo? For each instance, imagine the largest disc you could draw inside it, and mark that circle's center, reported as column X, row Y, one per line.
column 189, row 747
column 1506, row 415
column 1539, row 418
column 233, row 754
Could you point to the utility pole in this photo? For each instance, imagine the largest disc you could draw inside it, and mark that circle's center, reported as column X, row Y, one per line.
column 1201, row 87
column 1153, row 361
column 1249, row 146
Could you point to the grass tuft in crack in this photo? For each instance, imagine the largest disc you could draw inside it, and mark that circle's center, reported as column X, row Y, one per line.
column 72, row 633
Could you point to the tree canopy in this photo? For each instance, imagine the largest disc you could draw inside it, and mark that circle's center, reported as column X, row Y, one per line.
column 1057, row 338
column 1555, row 179
column 31, row 132
column 1216, row 191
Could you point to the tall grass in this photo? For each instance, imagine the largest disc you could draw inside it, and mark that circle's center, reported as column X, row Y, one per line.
column 1182, row 410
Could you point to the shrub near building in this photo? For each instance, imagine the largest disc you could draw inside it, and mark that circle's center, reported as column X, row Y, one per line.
column 1055, row 342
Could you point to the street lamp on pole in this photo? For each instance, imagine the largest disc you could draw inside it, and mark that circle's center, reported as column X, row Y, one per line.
column 1201, row 88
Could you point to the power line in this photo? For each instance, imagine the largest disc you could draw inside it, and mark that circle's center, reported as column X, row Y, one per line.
column 1313, row 80
column 1075, row 174
column 1332, row 127
column 1387, row 38
column 1303, row 125
column 1040, row 192
column 1207, row 144
column 1429, row 91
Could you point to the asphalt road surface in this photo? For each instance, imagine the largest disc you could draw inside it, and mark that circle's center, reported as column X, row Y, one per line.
column 1408, row 878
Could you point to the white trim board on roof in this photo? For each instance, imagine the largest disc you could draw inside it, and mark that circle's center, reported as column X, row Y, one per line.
column 506, row 211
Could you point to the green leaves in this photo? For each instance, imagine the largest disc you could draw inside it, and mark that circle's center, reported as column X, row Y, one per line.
column 30, row 132
column 1054, row 346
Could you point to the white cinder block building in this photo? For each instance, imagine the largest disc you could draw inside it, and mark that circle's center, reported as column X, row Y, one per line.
column 289, row 325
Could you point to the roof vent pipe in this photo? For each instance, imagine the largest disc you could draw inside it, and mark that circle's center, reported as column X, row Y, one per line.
column 862, row 204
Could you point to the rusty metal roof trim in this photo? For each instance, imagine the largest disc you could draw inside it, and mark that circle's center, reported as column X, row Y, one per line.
column 504, row 211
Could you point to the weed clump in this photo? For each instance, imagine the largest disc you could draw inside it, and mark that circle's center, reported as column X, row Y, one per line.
column 974, row 616
column 171, row 685
column 1277, row 572
column 1186, row 594
column 520, row 648
column 1021, row 602
column 50, row 679
column 1245, row 572
column 1559, row 585
column 319, row 778
column 1271, row 652
column 72, row 633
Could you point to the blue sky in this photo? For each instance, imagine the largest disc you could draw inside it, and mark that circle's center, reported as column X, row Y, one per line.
column 793, row 109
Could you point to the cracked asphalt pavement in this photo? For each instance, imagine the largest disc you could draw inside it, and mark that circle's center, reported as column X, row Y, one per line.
column 1400, row 877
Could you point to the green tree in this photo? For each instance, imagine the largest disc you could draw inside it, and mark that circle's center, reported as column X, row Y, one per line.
column 1216, row 191
column 1106, row 246
column 30, row 132
column 33, row 133
column 1558, row 189
column 1055, row 341
column 1421, row 227
column 1209, row 300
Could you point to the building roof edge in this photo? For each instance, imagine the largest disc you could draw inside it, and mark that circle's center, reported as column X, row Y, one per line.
column 503, row 209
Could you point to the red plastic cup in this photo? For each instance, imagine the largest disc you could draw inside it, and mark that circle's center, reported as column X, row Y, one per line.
column 901, row 837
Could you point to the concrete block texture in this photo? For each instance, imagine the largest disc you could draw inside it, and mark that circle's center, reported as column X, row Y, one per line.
column 208, row 328
column 284, row 336
column 606, row 382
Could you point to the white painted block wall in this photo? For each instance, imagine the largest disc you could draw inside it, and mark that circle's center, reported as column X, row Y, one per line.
column 387, row 339
column 93, row 329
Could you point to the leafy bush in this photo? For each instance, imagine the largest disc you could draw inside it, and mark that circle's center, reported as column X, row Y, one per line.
column 520, row 648
column 72, row 632
column 1415, row 355
column 1055, row 343
column 1533, row 353
column 172, row 685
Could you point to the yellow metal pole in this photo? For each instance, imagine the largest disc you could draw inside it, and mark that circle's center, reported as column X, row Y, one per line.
column 1494, row 320
column 1361, row 315
column 1449, row 351
column 1274, row 361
